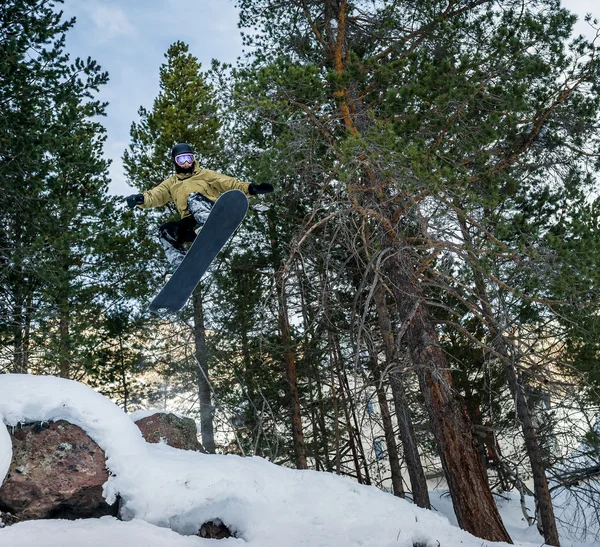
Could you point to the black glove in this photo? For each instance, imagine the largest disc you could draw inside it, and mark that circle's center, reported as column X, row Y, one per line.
column 134, row 199
column 262, row 188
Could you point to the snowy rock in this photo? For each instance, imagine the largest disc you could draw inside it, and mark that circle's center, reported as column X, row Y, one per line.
column 57, row 471
column 175, row 431
column 163, row 490
column 214, row 530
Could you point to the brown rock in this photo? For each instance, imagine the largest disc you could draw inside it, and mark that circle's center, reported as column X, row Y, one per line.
column 57, row 471
column 173, row 430
column 214, row 530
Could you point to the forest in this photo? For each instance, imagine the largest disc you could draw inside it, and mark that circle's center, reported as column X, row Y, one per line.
column 416, row 305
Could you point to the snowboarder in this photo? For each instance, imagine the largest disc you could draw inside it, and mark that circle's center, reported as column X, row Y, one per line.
column 194, row 192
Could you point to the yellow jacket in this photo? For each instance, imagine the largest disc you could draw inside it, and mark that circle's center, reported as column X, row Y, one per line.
column 178, row 187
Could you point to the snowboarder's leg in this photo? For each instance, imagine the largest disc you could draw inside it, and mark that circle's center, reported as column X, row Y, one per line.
column 173, row 235
column 200, row 207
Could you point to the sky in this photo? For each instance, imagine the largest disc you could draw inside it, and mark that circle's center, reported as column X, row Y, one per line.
column 166, row 494
column 129, row 38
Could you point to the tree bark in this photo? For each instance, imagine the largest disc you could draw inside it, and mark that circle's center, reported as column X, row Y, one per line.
column 18, row 342
column 289, row 358
column 64, row 339
column 543, row 497
column 351, row 423
column 473, row 503
column 472, row 499
column 292, row 379
column 123, row 375
column 207, row 410
column 20, row 318
column 541, row 489
column 388, row 428
column 418, row 482
column 27, row 332
column 333, row 357
column 320, row 413
column 18, row 337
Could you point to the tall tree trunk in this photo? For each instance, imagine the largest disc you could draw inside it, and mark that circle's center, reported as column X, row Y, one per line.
column 472, row 499
column 289, row 358
column 351, row 433
column 27, row 332
column 418, row 482
column 388, row 427
column 65, row 344
column 64, row 353
column 534, row 452
column 292, row 379
column 474, row 505
column 202, row 376
column 123, row 375
column 333, row 366
column 314, row 421
column 18, row 314
column 321, row 420
column 543, row 497
column 317, row 411
column 352, row 425
column 18, row 337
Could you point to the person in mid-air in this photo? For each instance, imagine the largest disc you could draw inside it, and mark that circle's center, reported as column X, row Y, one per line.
column 194, row 191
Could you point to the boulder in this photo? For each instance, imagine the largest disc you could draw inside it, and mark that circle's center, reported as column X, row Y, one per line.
column 173, row 430
column 214, row 530
column 57, row 471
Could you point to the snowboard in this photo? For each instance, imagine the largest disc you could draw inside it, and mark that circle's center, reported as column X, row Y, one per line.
column 224, row 218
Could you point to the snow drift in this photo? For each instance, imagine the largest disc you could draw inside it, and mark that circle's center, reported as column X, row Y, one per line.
column 261, row 503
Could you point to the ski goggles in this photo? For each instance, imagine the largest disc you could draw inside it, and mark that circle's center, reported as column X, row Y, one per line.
column 182, row 159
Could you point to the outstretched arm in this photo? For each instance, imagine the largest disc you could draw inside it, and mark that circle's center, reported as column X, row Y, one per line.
column 225, row 182
column 229, row 183
column 160, row 195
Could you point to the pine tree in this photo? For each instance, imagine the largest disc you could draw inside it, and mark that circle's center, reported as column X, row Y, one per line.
column 56, row 224
column 436, row 117
column 32, row 68
column 185, row 110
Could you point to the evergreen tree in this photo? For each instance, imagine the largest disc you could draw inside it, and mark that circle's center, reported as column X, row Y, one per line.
column 116, row 361
column 448, row 128
column 185, row 110
column 32, row 67
column 56, row 211
column 77, row 210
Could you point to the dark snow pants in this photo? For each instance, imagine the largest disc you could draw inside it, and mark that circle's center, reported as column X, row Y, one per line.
column 173, row 235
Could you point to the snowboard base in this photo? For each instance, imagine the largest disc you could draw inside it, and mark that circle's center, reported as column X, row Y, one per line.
column 226, row 215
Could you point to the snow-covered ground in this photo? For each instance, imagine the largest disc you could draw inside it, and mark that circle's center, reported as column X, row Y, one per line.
column 168, row 493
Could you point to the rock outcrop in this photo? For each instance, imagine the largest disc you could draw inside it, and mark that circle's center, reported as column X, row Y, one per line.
column 173, row 430
column 57, row 471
